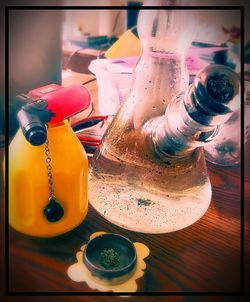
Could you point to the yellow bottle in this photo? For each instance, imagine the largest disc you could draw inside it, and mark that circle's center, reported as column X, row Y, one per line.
column 29, row 186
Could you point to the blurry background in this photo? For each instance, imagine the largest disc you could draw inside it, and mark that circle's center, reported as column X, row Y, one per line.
column 113, row 22
column 43, row 43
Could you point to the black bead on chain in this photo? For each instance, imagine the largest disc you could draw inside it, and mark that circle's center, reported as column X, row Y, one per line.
column 53, row 211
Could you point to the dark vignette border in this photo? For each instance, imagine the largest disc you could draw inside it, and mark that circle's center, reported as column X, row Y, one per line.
column 242, row 260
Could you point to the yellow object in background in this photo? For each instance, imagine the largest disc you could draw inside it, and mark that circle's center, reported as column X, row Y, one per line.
column 127, row 45
column 28, row 182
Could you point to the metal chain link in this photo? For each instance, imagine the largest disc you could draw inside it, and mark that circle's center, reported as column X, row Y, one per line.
column 49, row 170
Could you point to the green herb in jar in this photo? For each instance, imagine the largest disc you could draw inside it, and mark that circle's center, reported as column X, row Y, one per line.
column 220, row 88
column 109, row 258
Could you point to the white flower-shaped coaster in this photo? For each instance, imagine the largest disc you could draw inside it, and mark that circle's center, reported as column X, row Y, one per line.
column 78, row 272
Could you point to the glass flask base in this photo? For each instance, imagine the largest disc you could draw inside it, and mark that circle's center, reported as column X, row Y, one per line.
column 139, row 205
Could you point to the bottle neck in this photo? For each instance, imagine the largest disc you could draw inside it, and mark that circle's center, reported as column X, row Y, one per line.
column 154, row 67
column 167, row 30
column 153, row 88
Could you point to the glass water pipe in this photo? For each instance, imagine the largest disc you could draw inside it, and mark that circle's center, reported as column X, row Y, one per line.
column 154, row 179
column 149, row 174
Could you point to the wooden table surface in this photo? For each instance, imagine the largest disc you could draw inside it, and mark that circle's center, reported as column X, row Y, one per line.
column 205, row 257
